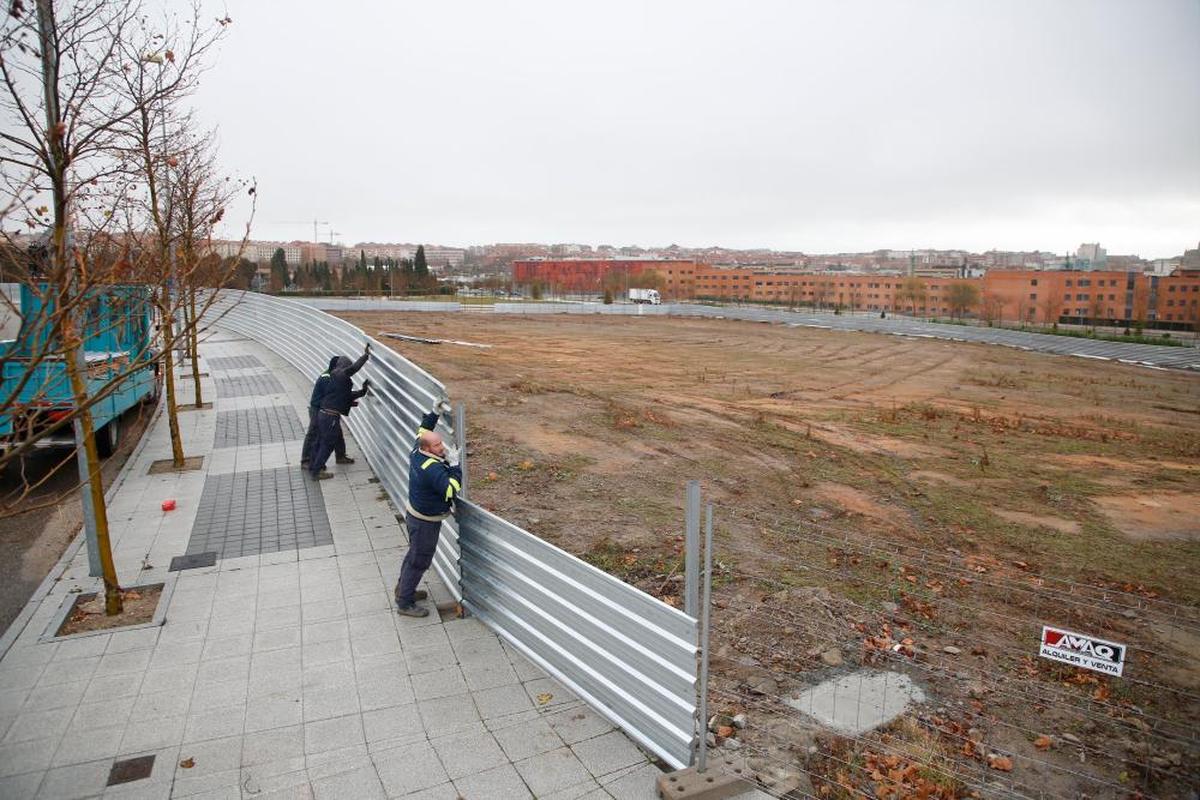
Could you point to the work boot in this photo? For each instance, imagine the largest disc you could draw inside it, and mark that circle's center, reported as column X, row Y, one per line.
column 345, row 460
column 413, row 610
column 322, row 475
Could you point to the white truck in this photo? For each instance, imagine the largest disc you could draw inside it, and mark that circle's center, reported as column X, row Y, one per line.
column 645, row 296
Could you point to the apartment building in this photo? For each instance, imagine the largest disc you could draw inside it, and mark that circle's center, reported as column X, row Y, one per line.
column 1032, row 296
column 396, row 252
column 592, row 275
column 444, row 256
column 259, row 251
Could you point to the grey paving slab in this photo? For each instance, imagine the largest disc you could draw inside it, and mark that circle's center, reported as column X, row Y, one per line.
column 249, row 513
column 261, row 425
column 249, row 385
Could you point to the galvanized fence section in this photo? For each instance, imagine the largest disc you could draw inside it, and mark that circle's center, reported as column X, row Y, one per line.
column 377, row 304
column 630, row 656
column 384, row 425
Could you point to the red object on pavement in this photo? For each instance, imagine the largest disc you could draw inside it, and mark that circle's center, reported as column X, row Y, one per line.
column 168, row 505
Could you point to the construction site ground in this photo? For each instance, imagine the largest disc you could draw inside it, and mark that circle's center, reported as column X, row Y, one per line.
column 1011, row 464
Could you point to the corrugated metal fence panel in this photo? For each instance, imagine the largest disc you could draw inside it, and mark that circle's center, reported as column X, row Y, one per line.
column 376, row 304
column 629, row 655
column 384, row 424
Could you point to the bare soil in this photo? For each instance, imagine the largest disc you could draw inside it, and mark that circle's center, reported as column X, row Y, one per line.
column 137, row 608
column 1154, row 515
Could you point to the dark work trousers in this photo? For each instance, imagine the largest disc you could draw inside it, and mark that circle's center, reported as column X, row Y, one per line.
column 422, row 542
column 311, row 435
column 329, row 439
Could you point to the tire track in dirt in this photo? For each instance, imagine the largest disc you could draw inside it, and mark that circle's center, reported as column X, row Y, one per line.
column 893, row 378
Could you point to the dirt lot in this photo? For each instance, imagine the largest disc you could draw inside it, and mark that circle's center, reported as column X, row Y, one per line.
column 939, row 443
column 893, row 500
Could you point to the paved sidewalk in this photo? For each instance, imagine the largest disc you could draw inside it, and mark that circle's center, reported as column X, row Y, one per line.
column 282, row 671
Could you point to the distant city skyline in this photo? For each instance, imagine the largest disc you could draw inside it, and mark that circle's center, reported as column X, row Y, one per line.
column 819, row 128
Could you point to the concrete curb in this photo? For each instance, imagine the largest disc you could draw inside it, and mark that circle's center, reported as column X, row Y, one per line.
column 39, row 594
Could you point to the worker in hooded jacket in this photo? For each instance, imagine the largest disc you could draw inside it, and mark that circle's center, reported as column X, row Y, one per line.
column 340, row 395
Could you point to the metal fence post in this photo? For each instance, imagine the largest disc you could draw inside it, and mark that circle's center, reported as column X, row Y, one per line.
column 691, row 553
column 460, row 442
column 705, row 612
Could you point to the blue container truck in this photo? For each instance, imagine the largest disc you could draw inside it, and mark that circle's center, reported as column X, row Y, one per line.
column 35, row 392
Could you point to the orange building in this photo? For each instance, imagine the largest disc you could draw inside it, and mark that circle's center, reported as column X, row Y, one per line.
column 594, row 274
column 1027, row 296
column 1112, row 298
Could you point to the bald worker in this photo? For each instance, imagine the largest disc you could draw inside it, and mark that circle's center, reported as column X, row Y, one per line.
column 434, row 480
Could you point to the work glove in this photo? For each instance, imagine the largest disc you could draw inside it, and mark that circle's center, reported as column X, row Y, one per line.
column 451, row 454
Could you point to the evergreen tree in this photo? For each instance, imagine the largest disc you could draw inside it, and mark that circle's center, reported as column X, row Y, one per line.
column 419, row 265
column 279, row 270
column 362, row 259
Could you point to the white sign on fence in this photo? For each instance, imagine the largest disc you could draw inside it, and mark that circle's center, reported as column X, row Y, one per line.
column 1081, row 650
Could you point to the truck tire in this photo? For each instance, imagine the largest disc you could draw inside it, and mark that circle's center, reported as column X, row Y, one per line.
column 108, row 438
column 151, row 399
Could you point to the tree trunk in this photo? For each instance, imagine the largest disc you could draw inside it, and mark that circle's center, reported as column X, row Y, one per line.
column 168, row 354
column 194, row 341
column 64, row 268
column 72, row 358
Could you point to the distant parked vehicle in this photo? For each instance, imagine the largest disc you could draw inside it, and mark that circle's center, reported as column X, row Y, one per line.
column 118, row 332
column 650, row 296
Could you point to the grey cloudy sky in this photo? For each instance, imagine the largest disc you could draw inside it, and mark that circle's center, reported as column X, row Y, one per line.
column 795, row 125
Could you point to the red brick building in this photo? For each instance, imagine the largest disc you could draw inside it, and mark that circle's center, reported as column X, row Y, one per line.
column 590, row 275
column 1043, row 297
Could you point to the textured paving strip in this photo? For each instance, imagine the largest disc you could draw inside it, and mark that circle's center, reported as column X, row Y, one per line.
column 250, row 513
column 261, row 425
column 249, row 385
column 234, row 362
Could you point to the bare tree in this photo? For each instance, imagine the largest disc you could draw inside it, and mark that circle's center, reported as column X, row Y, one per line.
column 1095, row 308
column 961, row 298
column 65, row 172
column 200, row 196
column 1050, row 302
column 161, row 65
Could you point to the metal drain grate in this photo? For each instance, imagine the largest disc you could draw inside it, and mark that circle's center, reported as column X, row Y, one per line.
column 234, row 362
column 258, row 426
column 130, row 769
column 249, row 385
column 249, row 513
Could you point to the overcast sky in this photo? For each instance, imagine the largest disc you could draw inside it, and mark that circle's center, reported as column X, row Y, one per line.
column 813, row 126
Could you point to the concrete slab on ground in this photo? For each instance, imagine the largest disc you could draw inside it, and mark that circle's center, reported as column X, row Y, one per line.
column 860, row 701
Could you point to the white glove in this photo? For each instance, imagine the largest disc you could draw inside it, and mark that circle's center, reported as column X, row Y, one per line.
column 451, row 454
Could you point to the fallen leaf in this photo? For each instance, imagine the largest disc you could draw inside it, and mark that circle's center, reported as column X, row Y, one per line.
column 1001, row 763
column 544, row 697
column 1043, row 742
column 188, row 763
